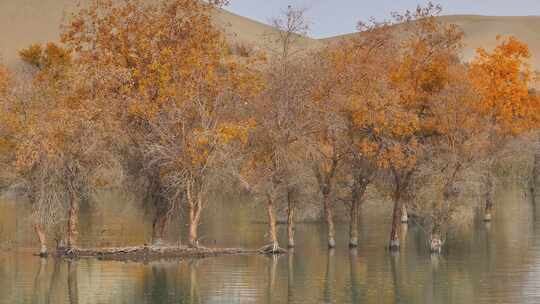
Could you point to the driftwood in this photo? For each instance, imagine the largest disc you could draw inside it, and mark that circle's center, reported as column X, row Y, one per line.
column 144, row 253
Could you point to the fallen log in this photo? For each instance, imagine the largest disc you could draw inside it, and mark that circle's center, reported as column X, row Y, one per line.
column 147, row 252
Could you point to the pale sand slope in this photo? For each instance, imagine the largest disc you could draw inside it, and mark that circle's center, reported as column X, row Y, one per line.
column 256, row 34
column 481, row 31
column 23, row 22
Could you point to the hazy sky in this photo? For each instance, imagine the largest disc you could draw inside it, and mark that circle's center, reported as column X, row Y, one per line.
column 334, row 17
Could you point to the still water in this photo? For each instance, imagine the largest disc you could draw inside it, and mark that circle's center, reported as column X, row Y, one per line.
column 496, row 263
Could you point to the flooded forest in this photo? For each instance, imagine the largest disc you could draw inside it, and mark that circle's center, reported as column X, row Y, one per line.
column 149, row 157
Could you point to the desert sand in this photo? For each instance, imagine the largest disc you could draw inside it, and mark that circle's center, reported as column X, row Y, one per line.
column 23, row 22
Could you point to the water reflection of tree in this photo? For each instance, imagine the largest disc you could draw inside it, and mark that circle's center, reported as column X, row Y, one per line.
column 290, row 276
column 355, row 286
column 476, row 264
column 394, row 268
column 272, row 272
column 38, row 279
column 329, row 276
column 55, row 280
column 160, row 288
column 194, row 294
column 534, row 215
column 73, row 285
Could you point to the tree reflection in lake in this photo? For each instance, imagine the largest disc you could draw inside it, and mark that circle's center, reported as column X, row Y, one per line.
column 290, row 275
column 500, row 264
column 329, row 278
column 73, row 284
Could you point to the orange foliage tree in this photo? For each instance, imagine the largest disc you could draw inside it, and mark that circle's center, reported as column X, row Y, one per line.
column 59, row 140
column 455, row 147
column 155, row 84
column 9, row 124
column 175, row 82
column 278, row 139
column 6, row 125
column 503, row 79
column 347, row 85
column 402, row 122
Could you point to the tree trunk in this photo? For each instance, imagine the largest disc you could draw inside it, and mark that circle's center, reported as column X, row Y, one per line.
column 536, row 172
column 404, row 214
column 358, row 191
column 290, row 220
column 42, row 240
column 193, row 233
column 353, row 227
column 396, row 219
column 272, row 224
column 435, row 245
column 162, row 206
column 194, row 219
column 195, row 209
column 158, row 228
column 488, row 212
column 73, row 221
column 329, row 217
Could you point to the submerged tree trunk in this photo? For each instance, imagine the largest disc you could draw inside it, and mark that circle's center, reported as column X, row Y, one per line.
column 356, row 200
column 396, row 219
column 272, row 224
column 329, row 218
column 404, row 213
column 488, row 212
column 73, row 221
column 435, row 244
column 290, row 219
column 42, row 240
column 353, row 227
column 401, row 184
column 325, row 178
column 536, row 173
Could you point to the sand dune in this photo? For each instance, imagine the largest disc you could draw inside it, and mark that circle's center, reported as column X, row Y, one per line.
column 481, row 31
column 246, row 31
column 23, row 22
